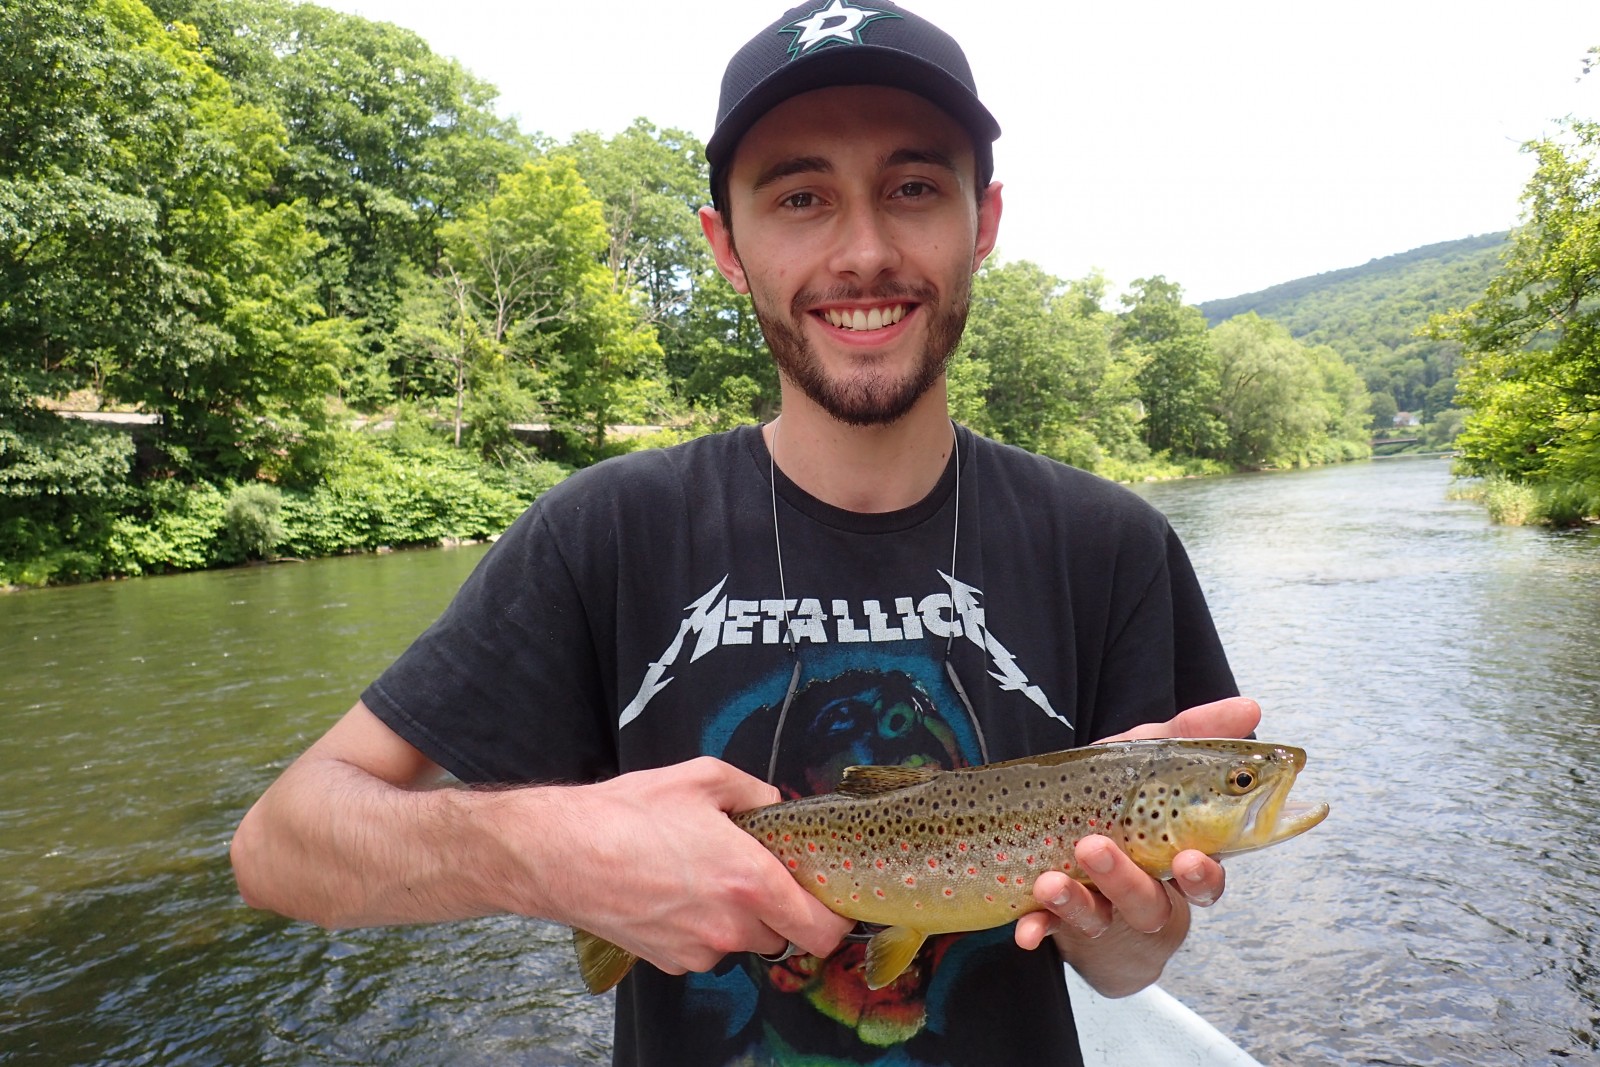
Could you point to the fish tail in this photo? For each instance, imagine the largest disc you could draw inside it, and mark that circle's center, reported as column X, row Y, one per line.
column 601, row 963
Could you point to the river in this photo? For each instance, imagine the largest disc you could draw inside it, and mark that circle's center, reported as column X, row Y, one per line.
column 1443, row 673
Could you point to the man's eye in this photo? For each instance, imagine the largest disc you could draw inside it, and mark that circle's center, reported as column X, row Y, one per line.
column 798, row 200
column 912, row 190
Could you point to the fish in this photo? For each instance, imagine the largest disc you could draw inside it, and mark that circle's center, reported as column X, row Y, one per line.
column 919, row 850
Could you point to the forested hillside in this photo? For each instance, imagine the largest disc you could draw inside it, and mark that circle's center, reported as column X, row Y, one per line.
column 335, row 288
column 1376, row 317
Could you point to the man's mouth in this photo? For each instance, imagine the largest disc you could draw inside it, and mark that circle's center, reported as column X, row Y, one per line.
column 864, row 318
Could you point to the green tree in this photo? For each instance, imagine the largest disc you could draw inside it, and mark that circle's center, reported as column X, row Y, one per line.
column 1040, row 348
column 1178, row 371
column 386, row 142
column 1285, row 403
column 1530, row 366
column 532, row 259
column 137, row 252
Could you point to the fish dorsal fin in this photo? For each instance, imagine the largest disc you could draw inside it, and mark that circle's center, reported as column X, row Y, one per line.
column 870, row 781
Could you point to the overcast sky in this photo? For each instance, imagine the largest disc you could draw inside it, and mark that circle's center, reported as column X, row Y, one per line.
column 1228, row 146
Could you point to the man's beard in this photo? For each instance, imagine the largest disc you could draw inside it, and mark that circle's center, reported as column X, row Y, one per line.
column 873, row 398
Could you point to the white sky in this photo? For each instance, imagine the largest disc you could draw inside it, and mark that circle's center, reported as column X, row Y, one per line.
column 1228, row 146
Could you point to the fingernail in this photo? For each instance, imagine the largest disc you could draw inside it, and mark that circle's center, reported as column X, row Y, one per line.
column 1059, row 901
column 1099, row 861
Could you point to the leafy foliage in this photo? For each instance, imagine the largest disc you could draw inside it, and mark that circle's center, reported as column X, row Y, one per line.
column 1531, row 368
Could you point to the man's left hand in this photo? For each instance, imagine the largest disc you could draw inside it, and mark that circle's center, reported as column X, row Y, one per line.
column 1120, row 934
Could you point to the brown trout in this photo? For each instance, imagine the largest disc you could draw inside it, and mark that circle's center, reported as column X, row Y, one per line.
column 920, row 850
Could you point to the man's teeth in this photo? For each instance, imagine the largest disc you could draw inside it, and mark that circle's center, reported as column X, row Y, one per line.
column 857, row 319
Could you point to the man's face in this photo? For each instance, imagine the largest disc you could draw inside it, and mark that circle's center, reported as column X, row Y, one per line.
column 859, row 229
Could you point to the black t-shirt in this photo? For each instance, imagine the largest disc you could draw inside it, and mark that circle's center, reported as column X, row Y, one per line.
column 635, row 616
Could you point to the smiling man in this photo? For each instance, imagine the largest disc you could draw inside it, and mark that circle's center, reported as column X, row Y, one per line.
column 676, row 635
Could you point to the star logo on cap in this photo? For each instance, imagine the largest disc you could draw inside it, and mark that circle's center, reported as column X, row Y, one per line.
column 839, row 21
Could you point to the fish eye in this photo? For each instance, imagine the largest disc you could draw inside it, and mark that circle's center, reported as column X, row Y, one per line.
column 1241, row 780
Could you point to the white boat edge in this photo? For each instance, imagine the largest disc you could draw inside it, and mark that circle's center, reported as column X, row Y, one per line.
column 1151, row 1027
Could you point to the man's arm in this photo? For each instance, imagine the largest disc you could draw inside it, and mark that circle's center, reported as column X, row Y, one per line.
column 1120, row 934
column 356, row 833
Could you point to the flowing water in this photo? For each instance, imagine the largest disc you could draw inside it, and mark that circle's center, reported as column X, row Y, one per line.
column 1444, row 675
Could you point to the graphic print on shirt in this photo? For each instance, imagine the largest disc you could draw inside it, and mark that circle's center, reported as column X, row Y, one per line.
column 873, row 690
column 717, row 620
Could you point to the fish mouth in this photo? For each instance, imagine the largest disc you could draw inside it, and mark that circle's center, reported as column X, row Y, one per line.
column 1273, row 817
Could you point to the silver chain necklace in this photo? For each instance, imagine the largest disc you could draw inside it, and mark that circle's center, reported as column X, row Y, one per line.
column 788, row 628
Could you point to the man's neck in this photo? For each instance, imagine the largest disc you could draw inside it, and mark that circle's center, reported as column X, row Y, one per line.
column 863, row 468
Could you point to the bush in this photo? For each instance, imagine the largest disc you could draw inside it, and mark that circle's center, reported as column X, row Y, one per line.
column 252, row 525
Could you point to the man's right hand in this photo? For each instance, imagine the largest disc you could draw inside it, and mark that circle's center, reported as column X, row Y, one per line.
column 352, row 834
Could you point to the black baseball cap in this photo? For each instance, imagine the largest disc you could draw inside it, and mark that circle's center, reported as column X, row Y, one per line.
column 848, row 42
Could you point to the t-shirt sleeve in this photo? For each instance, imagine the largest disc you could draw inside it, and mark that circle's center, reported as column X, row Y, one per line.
column 1165, row 656
column 506, row 685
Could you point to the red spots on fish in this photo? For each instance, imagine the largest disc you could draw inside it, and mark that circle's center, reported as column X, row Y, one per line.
column 1092, row 822
column 917, row 904
column 822, row 879
column 911, row 880
column 1018, row 827
column 787, row 838
column 1049, row 841
column 878, row 893
column 811, row 846
column 1000, row 878
column 933, row 863
column 972, row 870
column 771, row 836
column 858, row 836
column 848, row 865
column 794, row 865
column 855, row 896
column 989, row 897
column 949, row 892
column 879, row 864
column 1030, row 861
column 905, row 846
column 961, row 846
column 1000, row 857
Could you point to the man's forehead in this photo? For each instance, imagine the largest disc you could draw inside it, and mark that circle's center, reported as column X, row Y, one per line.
column 820, row 129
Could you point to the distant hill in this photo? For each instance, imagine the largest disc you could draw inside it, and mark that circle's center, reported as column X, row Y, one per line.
column 1370, row 315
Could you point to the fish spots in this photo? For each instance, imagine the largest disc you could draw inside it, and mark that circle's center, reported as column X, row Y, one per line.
column 822, row 879
column 948, row 893
column 911, row 880
column 794, row 865
column 848, row 865
column 933, row 863
column 972, row 870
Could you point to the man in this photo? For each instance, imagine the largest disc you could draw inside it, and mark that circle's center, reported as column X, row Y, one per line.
column 857, row 582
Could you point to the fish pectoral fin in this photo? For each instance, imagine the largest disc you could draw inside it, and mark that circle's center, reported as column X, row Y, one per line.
column 870, row 781
column 601, row 963
column 890, row 952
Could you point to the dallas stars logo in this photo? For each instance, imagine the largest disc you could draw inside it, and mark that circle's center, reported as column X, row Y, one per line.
column 839, row 21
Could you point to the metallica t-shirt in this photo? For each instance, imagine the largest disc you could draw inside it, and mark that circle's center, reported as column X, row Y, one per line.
column 637, row 615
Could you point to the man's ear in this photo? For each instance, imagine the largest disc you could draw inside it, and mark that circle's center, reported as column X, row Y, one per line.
column 721, row 240
column 988, row 224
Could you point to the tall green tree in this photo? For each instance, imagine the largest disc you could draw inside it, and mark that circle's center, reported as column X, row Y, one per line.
column 1041, row 351
column 137, row 250
column 386, row 142
column 532, row 262
column 1177, row 377
column 1530, row 370
column 1285, row 403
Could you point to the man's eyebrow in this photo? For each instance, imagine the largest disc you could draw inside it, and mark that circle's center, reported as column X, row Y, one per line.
column 900, row 157
column 786, row 168
column 928, row 156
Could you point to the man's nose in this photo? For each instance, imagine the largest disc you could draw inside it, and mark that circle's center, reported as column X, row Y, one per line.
column 866, row 246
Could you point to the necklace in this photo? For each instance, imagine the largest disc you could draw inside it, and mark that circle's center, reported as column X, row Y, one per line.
column 788, row 629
